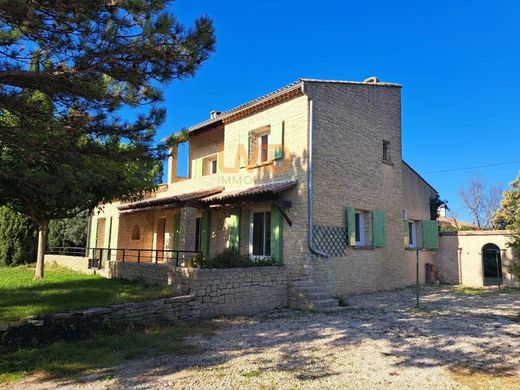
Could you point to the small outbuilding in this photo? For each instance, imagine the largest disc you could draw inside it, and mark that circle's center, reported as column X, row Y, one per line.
column 476, row 258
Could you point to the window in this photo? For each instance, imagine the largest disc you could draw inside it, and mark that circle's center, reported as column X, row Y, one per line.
column 198, row 228
column 386, row 150
column 260, row 234
column 213, row 166
column 136, row 234
column 360, row 228
column 412, row 234
column 263, row 141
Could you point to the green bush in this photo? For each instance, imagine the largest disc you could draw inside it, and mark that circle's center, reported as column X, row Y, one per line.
column 232, row 259
column 18, row 238
column 68, row 231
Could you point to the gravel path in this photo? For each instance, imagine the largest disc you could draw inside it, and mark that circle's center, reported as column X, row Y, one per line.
column 380, row 341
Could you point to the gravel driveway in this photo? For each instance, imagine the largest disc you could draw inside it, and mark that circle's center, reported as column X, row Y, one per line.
column 379, row 341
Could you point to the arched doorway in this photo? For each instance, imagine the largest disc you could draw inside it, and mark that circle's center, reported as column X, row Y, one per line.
column 492, row 264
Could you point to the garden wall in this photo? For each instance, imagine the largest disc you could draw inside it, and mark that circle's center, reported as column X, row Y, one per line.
column 46, row 328
column 76, row 263
column 231, row 291
column 222, row 291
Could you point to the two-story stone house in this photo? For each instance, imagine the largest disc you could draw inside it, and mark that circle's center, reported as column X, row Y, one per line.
column 311, row 174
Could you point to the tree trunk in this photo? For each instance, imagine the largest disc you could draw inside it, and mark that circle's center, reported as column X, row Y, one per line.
column 42, row 241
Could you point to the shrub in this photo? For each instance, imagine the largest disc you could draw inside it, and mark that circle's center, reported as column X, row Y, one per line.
column 18, row 238
column 232, row 259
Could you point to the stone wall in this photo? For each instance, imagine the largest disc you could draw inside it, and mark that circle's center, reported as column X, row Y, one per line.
column 76, row 263
column 154, row 274
column 46, row 328
column 233, row 291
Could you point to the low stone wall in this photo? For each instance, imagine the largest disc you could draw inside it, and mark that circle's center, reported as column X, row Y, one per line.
column 76, row 263
column 46, row 328
column 232, row 291
column 149, row 273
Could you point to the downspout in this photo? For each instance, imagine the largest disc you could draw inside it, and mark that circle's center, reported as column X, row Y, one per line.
column 313, row 250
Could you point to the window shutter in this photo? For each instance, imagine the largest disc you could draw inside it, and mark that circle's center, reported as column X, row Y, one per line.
column 234, row 230
column 205, row 233
column 200, row 167
column 244, row 144
column 406, row 234
column 351, row 226
column 277, row 133
column 430, row 232
column 378, row 228
column 176, row 231
column 276, row 233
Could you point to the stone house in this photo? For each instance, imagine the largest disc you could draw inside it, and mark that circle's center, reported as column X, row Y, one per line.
column 311, row 174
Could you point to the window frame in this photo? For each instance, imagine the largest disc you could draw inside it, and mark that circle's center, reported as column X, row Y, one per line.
column 211, row 161
column 264, row 211
column 412, row 234
column 259, row 145
column 360, row 223
column 386, row 151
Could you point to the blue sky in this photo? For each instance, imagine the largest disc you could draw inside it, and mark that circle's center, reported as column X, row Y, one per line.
column 458, row 62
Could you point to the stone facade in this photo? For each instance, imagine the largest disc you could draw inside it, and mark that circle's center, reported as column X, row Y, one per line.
column 350, row 123
column 459, row 257
column 223, row 291
column 233, row 291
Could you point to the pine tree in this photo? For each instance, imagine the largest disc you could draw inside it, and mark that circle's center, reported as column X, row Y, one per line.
column 17, row 238
column 67, row 68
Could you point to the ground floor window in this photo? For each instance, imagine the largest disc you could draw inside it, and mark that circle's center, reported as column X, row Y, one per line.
column 360, row 228
column 412, row 233
column 260, row 234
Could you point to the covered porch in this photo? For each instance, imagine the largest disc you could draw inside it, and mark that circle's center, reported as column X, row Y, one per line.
column 179, row 229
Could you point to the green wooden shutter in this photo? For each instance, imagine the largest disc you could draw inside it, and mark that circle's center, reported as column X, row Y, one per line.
column 430, row 233
column 378, row 228
column 205, row 232
column 197, row 167
column 244, row 141
column 351, row 226
column 234, row 229
column 276, row 233
column 176, row 231
column 277, row 131
column 406, row 234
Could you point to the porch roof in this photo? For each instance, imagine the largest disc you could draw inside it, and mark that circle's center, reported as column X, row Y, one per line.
column 256, row 192
column 169, row 201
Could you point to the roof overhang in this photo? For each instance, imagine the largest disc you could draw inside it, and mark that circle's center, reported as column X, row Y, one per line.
column 173, row 201
column 258, row 193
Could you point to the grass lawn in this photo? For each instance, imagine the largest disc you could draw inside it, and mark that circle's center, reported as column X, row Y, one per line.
column 101, row 352
column 64, row 290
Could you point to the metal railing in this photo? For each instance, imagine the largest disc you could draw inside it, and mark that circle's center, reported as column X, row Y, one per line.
column 99, row 256
column 67, row 251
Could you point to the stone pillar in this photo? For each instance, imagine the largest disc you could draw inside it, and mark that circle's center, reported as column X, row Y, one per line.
column 187, row 229
column 172, row 165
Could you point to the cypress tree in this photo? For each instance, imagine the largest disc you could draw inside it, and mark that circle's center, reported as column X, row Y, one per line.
column 18, row 238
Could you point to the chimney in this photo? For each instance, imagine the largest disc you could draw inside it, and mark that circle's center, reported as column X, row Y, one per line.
column 371, row 80
column 214, row 114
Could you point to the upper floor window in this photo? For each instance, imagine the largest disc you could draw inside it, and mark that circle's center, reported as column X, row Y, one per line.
column 263, row 140
column 211, row 165
column 386, row 150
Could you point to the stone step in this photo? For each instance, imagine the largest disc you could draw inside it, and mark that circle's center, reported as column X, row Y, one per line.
column 317, row 295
